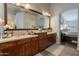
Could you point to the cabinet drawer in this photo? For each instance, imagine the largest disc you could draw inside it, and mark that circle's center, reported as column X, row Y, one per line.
column 7, row 45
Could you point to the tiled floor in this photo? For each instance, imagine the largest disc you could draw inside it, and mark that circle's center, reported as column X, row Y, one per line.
column 59, row 50
column 73, row 45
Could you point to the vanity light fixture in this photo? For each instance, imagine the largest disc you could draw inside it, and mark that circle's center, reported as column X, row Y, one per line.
column 48, row 14
column 45, row 13
column 18, row 4
column 27, row 6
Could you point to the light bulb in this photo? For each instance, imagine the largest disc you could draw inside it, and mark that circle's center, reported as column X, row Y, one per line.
column 18, row 4
column 27, row 6
column 45, row 13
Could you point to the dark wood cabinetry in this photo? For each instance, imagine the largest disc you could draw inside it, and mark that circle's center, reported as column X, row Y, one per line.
column 34, row 46
column 51, row 39
column 17, row 48
column 41, row 43
column 27, row 46
column 11, row 51
column 54, row 38
column 8, row 48
column 42, row 40
column 23, row 47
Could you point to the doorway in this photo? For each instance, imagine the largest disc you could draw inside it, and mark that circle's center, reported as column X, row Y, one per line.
column 69, row 27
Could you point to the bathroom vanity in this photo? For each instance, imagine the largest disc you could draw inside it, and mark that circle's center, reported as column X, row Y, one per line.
column 26, row 30
column 26, row 45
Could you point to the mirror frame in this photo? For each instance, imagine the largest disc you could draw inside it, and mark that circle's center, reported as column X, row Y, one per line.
column 6, row 18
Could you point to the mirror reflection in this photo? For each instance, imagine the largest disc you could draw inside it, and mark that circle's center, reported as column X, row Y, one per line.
column 19, row 18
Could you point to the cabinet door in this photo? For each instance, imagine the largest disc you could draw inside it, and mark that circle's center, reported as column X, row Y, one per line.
column 28, row 49
column 8, row 49
column 41, row 43
column 34, row 45
column 49, row 40
column 23, row 47
column 53, row 38
column 20, row 50
column 45, row 42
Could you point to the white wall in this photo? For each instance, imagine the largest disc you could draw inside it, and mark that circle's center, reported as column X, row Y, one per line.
column 56, row 9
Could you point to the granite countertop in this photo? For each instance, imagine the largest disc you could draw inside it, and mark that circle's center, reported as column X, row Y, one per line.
column 16, row 38
column 39, row 31
column 19, row 37
column 44, row 32
column 50, row 32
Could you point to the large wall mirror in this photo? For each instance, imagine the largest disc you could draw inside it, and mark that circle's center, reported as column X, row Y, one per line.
column 20, row 18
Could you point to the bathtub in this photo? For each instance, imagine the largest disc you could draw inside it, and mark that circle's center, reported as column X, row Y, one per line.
column 70, row 34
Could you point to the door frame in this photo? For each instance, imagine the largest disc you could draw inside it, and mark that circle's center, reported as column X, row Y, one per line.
column 78, row 29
